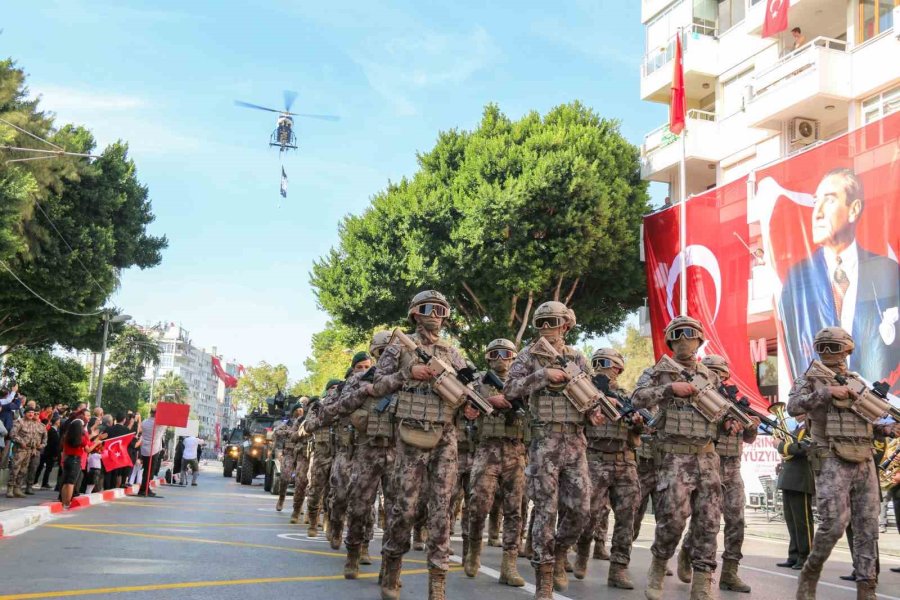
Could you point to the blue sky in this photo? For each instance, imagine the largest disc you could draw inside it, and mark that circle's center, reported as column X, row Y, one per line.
column 163, row 76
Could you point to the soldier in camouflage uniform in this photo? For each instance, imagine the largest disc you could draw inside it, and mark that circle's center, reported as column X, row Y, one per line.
column 689, row 481
column 29, row 436
column 602, row 528
column 730, row 448
column 343, row 436
column 426, row 452
column 283, row 434
column 465, row 449
column 648, row 470
column 373, row 455
column 321, row 453
column 614, row 478
column 300, row 462
column 499, row 466
column 847, row 490
column 557, row 478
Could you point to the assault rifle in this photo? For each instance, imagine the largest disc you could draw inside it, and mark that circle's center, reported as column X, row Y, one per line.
column 385, row 402
column 871, row 404
column 709, row 402
column 768, row 424
column 490, row 378
column 626, row 408
column 454, row 387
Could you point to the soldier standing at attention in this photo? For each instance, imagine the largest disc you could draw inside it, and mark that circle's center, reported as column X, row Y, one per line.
column 689, row 481
column 614, row 478
column 426, row 459
column 301, row 461
column 847, row 490
column 29, row 436
column 557, row 478
column 798, row 486
column 283, row 433
column 499, row 466
column 321, row 453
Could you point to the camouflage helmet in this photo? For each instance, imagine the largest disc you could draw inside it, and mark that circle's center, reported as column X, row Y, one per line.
column 682, row 323
column 379, row 341
column 500, row 344
column 718, row 365
column 553, row 309
column 427, row 297
column 833, row 340
column 610, row 354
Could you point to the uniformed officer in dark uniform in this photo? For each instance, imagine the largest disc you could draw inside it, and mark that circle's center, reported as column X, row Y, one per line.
column 798, row 485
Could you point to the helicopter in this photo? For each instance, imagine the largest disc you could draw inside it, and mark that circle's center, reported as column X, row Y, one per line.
column 283, row 137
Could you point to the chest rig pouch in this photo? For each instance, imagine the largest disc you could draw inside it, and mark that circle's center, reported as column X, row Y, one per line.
column 616, row 431
column 730, row 445
column 849, row 435
column 683, row 420
column 321, row 442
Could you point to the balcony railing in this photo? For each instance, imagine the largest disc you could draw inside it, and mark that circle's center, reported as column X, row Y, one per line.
column 660, row 57
column 796, row 63
column 662, row 137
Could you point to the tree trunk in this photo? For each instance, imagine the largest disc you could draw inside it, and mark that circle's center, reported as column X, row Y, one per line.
column 512, row 311
column 527, row 312
column 572, row 291
column 475, row 299
column 558, row 287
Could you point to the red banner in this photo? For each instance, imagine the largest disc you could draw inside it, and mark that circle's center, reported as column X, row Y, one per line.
column 718, row 267
column 171, row 414
column 230, row 381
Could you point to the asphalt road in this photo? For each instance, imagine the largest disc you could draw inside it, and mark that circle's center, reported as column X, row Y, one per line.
column 222, row 541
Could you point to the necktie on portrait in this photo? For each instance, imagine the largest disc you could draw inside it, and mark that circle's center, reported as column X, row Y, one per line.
column 839, row 284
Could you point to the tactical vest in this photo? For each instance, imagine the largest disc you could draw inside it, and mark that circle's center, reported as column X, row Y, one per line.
column 845, row 433
column 647, row 448
column 343, row 433
column 499, row 425
column 616, row 431
column 551, row 406
column 416, row 400
column 730, row 445
column 288, row 442
column 321, row 441
column 685, row 421
column 378, row 425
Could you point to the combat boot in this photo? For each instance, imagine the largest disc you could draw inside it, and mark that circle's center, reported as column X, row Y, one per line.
column 282, row 493
column 730, row 580
column 569, row 567
column 618, row 577
column 655, row 578
column 865, row 590
column 28, row 490
column 806, row 584
column 522, row 549
column 437, row 581
column 560, row 579
column 543, row 581
column 418, row 538
column 494, row 529
column 364, row 558
column 313, row 530
column 685, row 568
column 17, row 492
column 351, row 567
column 9, row 492
column 334, row 536
column 581, row 559
column 472, row 560
column 390, row 578
column 700, row 586
column 509, row 574
column 295, row 516
column 600, row 551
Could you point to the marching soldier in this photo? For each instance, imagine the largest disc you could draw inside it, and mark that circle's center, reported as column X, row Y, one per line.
column 614, row 478
column 301, row 460
column 498, row 471
column 798, row 486
column 321, row 452
column 847, row 490
column 465, row 449
column 557, row 478
column 283, row 434
column 426, row 451
column 689, row 481
column 29, row 436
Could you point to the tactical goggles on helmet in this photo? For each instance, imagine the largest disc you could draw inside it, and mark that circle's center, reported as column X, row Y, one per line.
column 431, row 309
column 830, row 347
column 500, row 354
column 688, row 333
column 549, row 322
column 604, row 363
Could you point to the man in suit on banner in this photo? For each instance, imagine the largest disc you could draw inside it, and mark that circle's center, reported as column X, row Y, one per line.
column 842, row 284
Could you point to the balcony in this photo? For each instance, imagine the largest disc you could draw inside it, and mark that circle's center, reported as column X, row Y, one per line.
column 816, row 17
column 700, row 65
column 806, row 82
column 661, row 151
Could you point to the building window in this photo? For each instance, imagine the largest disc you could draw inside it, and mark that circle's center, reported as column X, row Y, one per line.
column 730, row 12
column 875, row 17
column 881, row 105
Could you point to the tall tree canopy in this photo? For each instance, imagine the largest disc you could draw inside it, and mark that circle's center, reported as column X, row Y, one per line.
column 332, row 350
column 258, row 383
column 499, row 219
column 68, row 226
column 45, row 377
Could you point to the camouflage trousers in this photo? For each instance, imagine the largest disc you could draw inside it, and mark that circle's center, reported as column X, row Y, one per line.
column 689, row 485
column 601, row 527
column 732, row 510
column 558, row 484
column 499, row 466
column 613, row 484
column 301, row 476
column 22, row 466
column 460, row 496
column 423, row 473
column 847, row 493
column 319, row 480
column 371, row 467
column 647, row 474
column 339, row 484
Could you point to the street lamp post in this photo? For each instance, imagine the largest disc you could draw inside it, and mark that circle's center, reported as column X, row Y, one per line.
column 106, row 321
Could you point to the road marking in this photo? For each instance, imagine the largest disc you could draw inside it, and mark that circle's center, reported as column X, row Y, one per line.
column 192, row 584
column 528, row 588
column 825, row 583
column 184, row 524
column 190, row 507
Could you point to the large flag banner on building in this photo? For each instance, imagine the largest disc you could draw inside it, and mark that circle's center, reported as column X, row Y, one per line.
column 677, row 106
column 115, row 452
column 718, row 267
column 229, row 380
column 284, row 182
column 776, row 17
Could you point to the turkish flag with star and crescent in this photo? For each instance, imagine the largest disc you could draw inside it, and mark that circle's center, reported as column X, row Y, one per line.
column 776, row 17
column 115, row 452
column 718, row 267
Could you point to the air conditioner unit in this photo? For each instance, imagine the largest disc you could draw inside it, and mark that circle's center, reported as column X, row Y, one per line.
column 804, row 131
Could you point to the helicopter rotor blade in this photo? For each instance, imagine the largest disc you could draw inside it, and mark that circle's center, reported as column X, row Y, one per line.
column 256, row 106
column 320, row 117
column 289, row 98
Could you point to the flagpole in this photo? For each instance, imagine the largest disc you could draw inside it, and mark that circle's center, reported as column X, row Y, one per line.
column 682, row 212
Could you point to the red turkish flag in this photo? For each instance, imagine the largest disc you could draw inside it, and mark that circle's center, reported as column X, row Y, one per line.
column 230, row 381
column 677, row 107
column 776, row 17
column 718, row 267
column 115, row 452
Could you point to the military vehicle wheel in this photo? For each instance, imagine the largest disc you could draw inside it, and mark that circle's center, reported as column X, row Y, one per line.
column 228, row 470
column 246, row 474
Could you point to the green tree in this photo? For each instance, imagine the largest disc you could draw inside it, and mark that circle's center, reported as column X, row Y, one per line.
column 171, row 388
column 130, row 352
column 332, row 350
column 499, row 219
column 69, row 226
column 45, row 377
column 638, row 353
column 258, row 383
